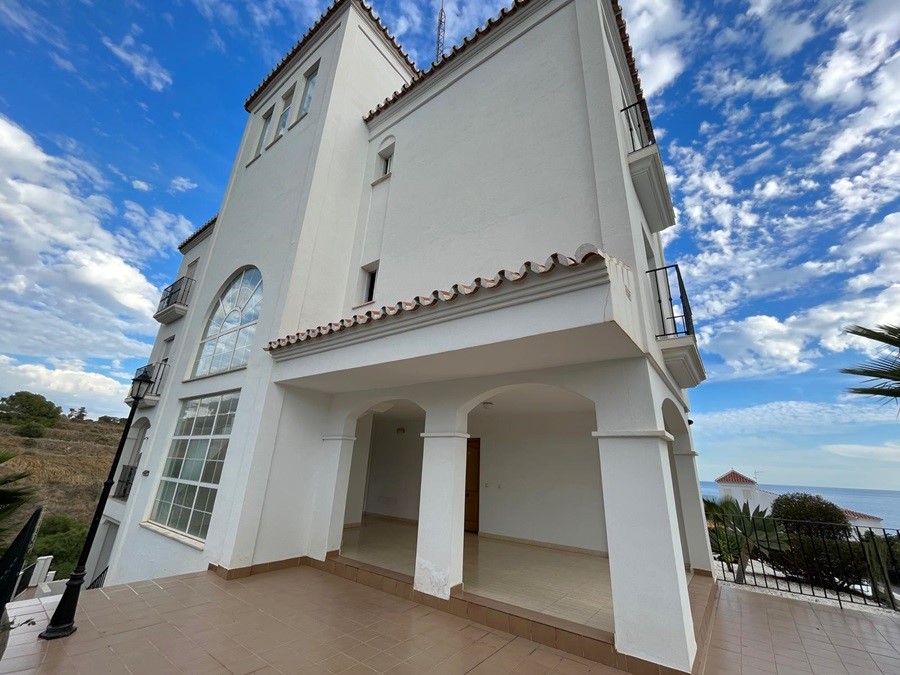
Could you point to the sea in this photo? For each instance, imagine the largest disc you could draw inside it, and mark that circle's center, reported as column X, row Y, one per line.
column 882, row 503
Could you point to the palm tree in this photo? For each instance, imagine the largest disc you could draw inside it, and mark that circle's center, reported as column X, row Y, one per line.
column 883, row 370
column 13, row 496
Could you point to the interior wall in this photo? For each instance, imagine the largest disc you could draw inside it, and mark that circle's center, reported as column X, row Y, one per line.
column 540, row 478
column 359, row 471
column 395, row 467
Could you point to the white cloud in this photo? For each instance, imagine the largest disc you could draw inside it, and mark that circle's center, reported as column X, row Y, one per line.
column 31, row 24
column 141, row 185
column 139, row 58
column 66, row 383
column 724, row 83
column 75, row 287
column 659, row 30
column 871, row 189
column 799, row 417
column 181, row 184
column 63, row 64
column 889, row 452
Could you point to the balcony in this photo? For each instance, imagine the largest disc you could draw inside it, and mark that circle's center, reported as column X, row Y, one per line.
column 126, row 480
column 174, row 301
column 157, row 372
column 675, row 327
column 647, row 170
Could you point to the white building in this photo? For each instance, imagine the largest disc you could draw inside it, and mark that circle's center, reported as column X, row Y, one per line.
column 744, row 489
column 317, row 397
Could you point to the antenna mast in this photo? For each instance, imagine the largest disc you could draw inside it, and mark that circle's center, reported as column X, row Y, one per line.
column 442, row 23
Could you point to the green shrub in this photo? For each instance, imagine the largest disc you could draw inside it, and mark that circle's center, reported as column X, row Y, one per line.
column 24, row 406
column 31, row 430
column 808, row 508
column 828, row 560
column 62, row 537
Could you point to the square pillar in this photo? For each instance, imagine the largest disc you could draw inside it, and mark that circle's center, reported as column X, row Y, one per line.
column 331, row 497
column 651, row 609
column 692, row 511
column 439, row 548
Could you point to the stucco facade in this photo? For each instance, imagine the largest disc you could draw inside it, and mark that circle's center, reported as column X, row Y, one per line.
column 378, row 237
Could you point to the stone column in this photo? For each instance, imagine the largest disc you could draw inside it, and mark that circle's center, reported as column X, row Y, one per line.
column 439, row 549
column 331, row 496
column 652, row 612
column 695, row 533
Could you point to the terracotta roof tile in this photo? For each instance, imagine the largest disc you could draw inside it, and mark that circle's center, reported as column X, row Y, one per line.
column 312, row 32
column 735, row 477
column 206, row 226
column 859, row 515
column 493, row 23
column 585, row 255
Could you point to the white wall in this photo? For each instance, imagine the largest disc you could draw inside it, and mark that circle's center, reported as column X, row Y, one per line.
column 359, row 471
column 543, row 478
column 395, row 467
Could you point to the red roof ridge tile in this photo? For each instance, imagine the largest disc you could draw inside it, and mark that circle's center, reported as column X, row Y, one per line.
column 586, row 254
column 859, row 515
column 733, row 476
column 505, row 13
column 312, row 32
column 206, row 226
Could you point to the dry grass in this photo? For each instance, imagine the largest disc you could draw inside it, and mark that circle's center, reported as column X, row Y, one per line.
column 67, row 466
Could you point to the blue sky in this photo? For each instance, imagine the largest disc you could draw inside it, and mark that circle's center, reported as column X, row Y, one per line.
column 777, row 122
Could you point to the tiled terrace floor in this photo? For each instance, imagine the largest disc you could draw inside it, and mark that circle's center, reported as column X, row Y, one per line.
column 296, row 620
column 301, row 620
column 571, row 586
column 755, row 633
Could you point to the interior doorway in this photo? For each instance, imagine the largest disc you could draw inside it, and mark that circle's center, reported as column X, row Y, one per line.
column 473, row 482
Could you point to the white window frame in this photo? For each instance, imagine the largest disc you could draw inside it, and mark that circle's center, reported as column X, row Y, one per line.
column 309, row 89
column 284, row 120
column 221, row 336
column 264, row 132
column 215, row 432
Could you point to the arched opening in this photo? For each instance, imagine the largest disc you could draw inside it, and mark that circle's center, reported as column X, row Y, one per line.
column 382, row 509
column 535, row 524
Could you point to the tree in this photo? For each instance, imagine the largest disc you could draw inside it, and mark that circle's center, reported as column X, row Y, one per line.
column 24, row 406
column 800, row 506
column 13, row 496
column 883, row 370
column 107, row 419
column 77, row 414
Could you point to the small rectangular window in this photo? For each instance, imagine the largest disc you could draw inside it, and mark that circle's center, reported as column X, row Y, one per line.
column 386, row 164
column 308, row 88
column 285, row 111
column 369, row 276
column 264, row 133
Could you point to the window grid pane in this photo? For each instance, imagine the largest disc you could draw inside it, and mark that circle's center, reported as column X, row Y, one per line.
column 227, row 341
column 193, row 468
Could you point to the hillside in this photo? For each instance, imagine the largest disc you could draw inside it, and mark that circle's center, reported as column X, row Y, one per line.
column 67, row 466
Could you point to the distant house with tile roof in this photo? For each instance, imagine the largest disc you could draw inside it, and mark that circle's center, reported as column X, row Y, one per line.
column 434, row 309
column 745, row 489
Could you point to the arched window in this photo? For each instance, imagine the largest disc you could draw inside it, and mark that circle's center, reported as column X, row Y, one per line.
column 229, row 333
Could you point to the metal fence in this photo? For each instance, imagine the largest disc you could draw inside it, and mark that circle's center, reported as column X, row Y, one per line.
column 126, row 480
column 675, row 318
column 639, row 132
column 175, row 294
column 846, row 563
column 14, row 557
column 99, row 580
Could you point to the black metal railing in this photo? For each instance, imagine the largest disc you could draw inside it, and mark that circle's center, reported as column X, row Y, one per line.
column 639, row 131
column 675, row 318
column 126, row 480
column 24, row 579
column 175, row 294
column 156, row 371
column 14, row 557
column 98, row 581
column 847, row 563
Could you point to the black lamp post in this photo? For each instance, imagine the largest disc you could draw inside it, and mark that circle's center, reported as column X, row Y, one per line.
column 63, row 622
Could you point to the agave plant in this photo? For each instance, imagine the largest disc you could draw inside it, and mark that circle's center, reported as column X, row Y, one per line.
column 736, row 534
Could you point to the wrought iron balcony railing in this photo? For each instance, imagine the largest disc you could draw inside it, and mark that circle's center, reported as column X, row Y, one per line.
column 175, row 294
column 638, row 126
column 126, row 480
column 157, row 372
column 674, row 310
